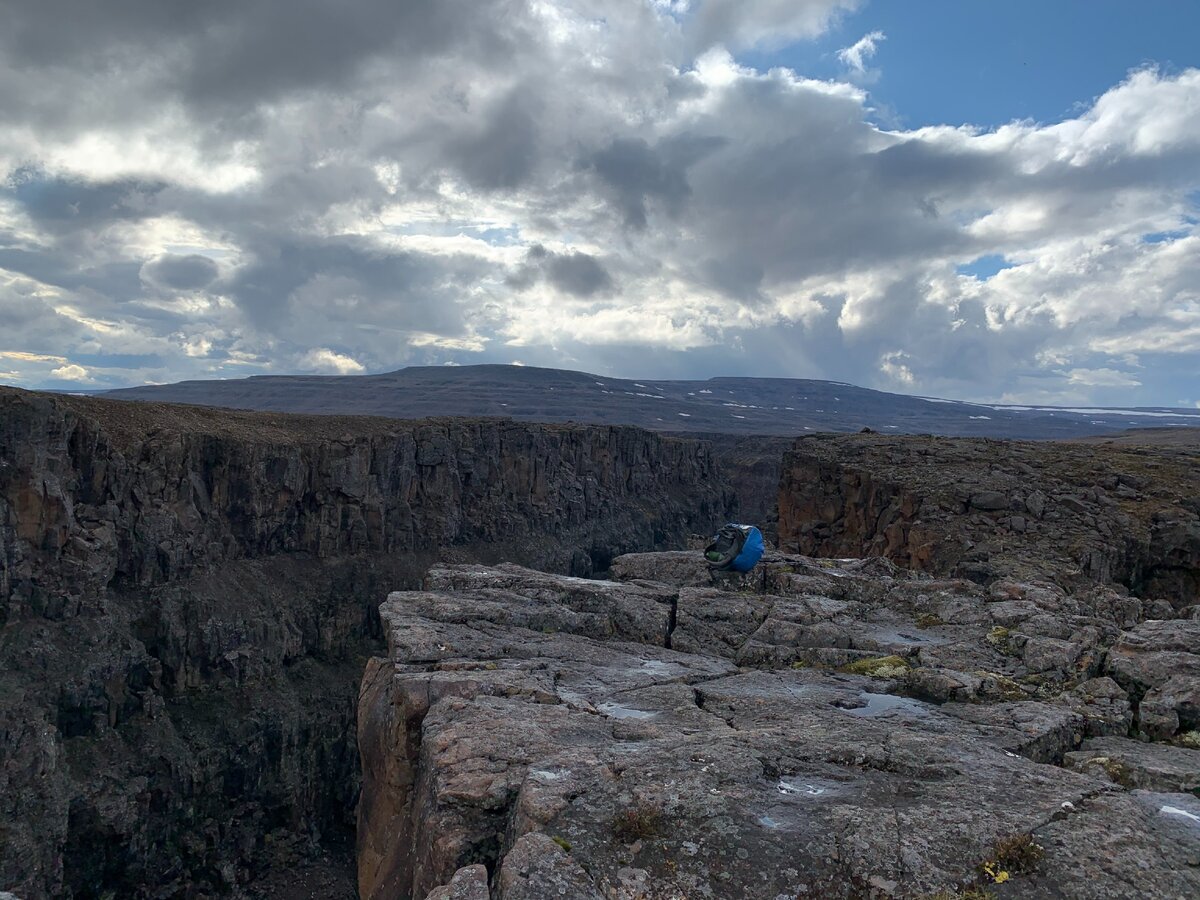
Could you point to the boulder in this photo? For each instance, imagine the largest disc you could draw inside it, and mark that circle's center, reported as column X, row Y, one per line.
column 468, row 883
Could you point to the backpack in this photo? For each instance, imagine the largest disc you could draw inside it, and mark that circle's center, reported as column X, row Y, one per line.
column 735, row 547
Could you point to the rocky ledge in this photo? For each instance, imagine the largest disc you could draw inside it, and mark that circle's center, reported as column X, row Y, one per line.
column 819, row 728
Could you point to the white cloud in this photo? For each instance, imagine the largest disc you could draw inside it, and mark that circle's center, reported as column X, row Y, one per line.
column 856, row 55
column 71, row 372
column 326, row 360
column 21, row 356
column 1101, row 378
column 893, row 366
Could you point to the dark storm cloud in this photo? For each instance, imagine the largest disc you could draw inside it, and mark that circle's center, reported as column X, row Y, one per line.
column 185, row 273
column 735, row 276
column 238, row 53
column 502, row 152
column 636, row 174
column 923, row 167
column 118, row 279
column 579, row 274
column 301, row 286
column 68, row 204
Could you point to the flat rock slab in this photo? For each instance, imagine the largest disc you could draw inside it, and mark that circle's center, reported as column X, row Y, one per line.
column 1135, row 764
column 539, row 726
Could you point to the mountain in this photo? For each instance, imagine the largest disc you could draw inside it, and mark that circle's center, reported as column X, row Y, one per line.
column 783, row 406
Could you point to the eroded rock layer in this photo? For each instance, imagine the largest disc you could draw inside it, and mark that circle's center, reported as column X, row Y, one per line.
column 188, row 598
column 818, row 728
column 1115, row 512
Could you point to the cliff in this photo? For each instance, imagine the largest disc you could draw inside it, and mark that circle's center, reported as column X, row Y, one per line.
column 188, row 598
column 1122, row 512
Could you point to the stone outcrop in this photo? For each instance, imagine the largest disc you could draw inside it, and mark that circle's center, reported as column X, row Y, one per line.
column 815, row 728
column 188, row 597
column 1073, row 513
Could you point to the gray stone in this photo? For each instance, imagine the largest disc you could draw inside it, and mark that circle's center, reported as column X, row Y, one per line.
column 1136, row 764
column 1115, row 846
column 989, row 501
column 1105, row 708
column 537, row 868
column 1171, row 707
column 604, row 767
column 468, row 883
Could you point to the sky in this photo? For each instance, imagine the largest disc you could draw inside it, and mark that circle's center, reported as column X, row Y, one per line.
column 994, row 202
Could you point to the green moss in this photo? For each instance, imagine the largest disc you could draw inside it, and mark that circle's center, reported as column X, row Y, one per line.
column 878, row 667
column 1000, row 638
column 1190, row 739
column 1009, row 688
column 1117, row 772
column 562, row 842
column 801, row 664
column 929, row 620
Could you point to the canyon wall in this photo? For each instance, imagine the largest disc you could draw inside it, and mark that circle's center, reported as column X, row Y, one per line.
column 1071, row 513
column 188, row 598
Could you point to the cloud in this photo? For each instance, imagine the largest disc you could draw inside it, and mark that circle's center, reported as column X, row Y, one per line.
column 20, row 356
column 71, row 372
column 772, row 23
column 856, row 55
column 184, row 273
column 1101, row 378
column 575, row 272
column 325, row 360
column 204, row 194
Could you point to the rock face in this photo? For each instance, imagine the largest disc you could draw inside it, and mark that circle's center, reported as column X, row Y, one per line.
column 816, row 728
column 188, row 598
column 753, row 466
column 1073, row 513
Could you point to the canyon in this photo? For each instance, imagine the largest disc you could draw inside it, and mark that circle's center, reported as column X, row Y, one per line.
column 189, row 597
column 475, row 658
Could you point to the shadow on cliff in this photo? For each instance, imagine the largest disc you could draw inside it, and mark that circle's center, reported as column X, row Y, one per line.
column 189, row 596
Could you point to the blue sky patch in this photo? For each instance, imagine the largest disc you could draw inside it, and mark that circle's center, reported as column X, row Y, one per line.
column 985, row 267
column 950, row 61
column 1164, row 237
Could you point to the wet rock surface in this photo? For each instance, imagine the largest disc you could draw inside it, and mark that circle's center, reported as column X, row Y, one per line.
column 188, row 598
column 816, row 728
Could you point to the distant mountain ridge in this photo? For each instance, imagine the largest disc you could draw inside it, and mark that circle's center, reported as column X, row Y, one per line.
column 776, row 406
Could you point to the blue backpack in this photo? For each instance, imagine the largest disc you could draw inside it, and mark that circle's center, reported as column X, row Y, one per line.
column 735, row 547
